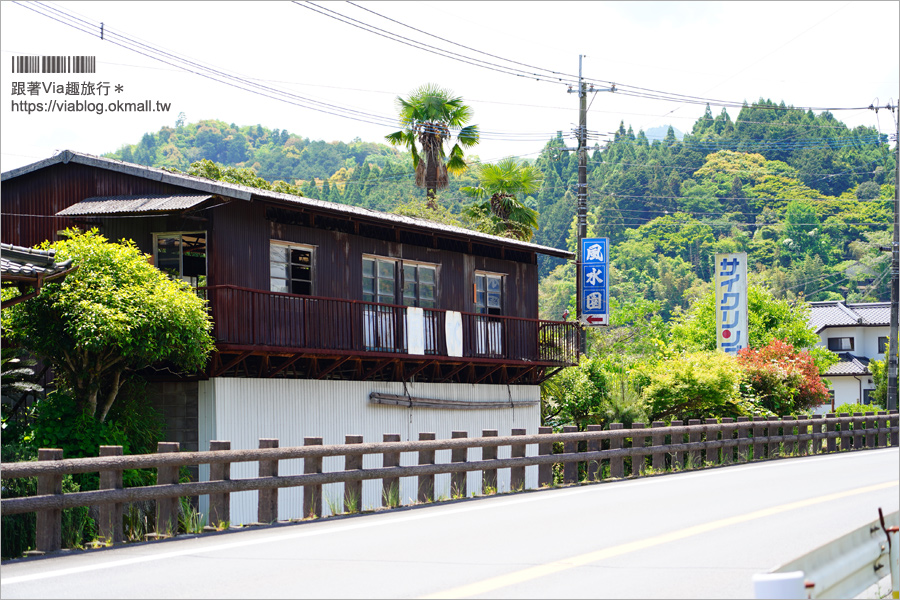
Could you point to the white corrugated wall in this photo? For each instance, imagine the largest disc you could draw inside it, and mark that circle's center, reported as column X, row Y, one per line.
column 245, row 410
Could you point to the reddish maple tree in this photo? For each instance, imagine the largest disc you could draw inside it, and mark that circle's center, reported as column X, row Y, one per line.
column 781, row 378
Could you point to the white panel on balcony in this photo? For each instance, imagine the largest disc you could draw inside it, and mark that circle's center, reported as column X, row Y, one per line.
column 415, row 330
column 454, row 333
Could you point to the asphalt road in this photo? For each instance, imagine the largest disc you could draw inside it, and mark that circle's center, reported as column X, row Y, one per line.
column 688, row 535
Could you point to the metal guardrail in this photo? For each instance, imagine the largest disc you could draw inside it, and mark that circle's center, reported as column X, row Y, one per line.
column 843, row 568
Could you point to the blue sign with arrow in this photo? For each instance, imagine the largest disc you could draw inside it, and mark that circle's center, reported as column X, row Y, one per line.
column 595, row 281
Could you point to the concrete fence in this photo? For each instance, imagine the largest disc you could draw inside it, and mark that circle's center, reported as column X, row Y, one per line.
column 590, row 455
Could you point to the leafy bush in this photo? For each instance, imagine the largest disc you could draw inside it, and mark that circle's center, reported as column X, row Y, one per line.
column 856, row 408
column 781, row 379
column 694, row 386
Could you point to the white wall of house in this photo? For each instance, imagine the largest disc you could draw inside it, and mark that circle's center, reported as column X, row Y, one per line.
column 847, row 388
column 245, row 410
column 865, row 339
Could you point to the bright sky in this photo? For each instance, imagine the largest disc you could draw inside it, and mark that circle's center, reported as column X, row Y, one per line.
column 815, row 54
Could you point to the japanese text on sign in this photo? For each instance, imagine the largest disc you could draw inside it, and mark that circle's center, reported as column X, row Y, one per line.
column 731, row 302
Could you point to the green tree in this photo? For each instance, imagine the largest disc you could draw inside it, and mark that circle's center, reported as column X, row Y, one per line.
column 116, row 314
column 427, row 117
column 497, row 205
column 768, row 318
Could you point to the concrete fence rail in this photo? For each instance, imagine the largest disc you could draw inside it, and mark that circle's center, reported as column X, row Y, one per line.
column 595, row 454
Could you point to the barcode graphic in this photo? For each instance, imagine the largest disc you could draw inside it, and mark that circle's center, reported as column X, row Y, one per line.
column 54, row 64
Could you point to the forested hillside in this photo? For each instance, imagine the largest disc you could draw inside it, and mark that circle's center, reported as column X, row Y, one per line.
column 805, row 196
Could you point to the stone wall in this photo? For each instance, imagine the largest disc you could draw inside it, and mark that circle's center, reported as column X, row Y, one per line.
column 177, row 401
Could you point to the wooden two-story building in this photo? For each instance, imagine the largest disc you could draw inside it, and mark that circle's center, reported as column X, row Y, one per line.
column 329, row 319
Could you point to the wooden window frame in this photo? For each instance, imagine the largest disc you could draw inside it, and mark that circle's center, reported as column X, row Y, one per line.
column 313, row 251
column 181, row 234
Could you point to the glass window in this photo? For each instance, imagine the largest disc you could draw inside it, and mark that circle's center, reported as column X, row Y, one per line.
column 882, row 344
column 182, row 256
column 291, row 268
column 379, row 276
column 840, row 344
column 488, row 293
column 418, row 285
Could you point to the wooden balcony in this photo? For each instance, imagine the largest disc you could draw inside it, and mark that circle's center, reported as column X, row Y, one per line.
column 268, row 334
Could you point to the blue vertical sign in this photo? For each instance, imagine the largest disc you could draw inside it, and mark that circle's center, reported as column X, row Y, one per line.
column 595, row 281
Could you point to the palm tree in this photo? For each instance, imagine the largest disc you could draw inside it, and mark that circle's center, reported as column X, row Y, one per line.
column 427, row 117
column 497, row 208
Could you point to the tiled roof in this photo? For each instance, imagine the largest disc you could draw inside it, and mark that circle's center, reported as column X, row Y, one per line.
column 111, row 205
column 242, row 192
column 849, row 365
column 25, row 264
column 834, row 313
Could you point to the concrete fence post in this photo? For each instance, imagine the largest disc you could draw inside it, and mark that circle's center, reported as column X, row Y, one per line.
column 48, row 523
column 712, row 435
column 677, row 457
column 570, row 468
column 759, row 430
column 517, row 474
column 694, row 437
column 594, row 465
column 727, row 434
column 458, row 455
column 817, row 434
column 830, row 427
column 219, row 504
column 803, row 444
column 637, row 461
column 772, row 430
column 881, row 424
column 658, row 458
column 390, row 486
column 870, row 430
column 616, row 463
column 845, row 434
column 743, row 447
column 545, row 472
column 353, row 489
column 312, row 494
column 110, row 525
column 426, row 482
column 489, row 476
column 858, row 430
column 895, row 433
column 790, row 445
column 267, row 506
column 166, row 508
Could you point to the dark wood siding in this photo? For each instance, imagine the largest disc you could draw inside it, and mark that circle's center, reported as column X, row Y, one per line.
column 339, row 268
column 239, row 234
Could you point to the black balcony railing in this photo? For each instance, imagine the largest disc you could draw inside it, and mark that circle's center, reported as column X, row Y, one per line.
column 270, row 320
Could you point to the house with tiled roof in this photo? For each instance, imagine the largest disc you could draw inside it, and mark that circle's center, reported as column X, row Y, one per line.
column 858, row 334
column 28, row 270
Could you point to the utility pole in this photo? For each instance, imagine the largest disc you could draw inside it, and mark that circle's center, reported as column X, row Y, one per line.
column 582, row 92
column 893, row 341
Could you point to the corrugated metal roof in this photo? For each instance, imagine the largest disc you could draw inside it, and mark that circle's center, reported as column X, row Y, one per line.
column 123, row 205
column 838, row 314
column 242, row 192
column 849, row 365
column 23, row 264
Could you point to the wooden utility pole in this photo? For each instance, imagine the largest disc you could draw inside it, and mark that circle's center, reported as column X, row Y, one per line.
column 892, row 392
column 582, row 92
